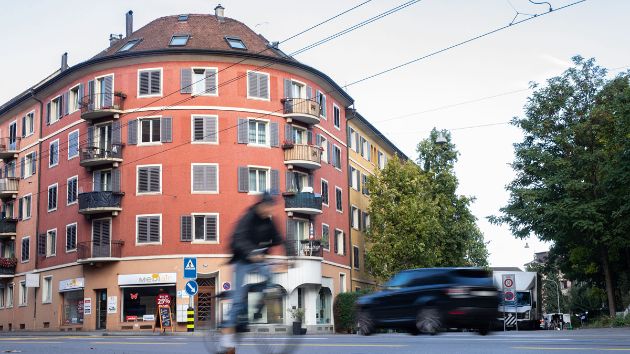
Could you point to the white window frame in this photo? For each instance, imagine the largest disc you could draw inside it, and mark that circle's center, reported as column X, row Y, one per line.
column 22, row 294
column 161, row 83
column 343, row 243
column 54, row 110
column 340, row 189
column 354, row 178
column 30, row 131
column 76, row 235
column 324, row 108
column 139, row 138
column 78, row 144
column 192, row 225
column 105, row 170
column 268, row 86
column 68, row 190
column 28, row 158
column 71, row 108
column 8, row 301
column 304, row 131
column 55, row 185
column 216, row 76
column 48, row 244
column 302, row 88
column 29, row 249
column 50, row 149
column 47, row 289
column 342, row 284
column 146, row 243
column 326, row 249
column 338, row 127
column 323, row 144
column 321, row 191
column 192, row 176
column 353, row 140
column 138, row 167
column 268, row 179
column 267, row 132
column 338, row 168
column 97, row 89
column 354, row 216
column 192, row 129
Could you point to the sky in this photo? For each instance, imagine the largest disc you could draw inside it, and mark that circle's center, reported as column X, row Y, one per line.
column 471, row 90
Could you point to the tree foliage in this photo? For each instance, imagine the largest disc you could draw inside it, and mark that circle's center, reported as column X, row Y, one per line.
column 417, row 219
column 572, row 182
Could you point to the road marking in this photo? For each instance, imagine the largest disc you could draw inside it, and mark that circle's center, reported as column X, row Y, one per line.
column 141, row 343
column 24, row 342
column 576, row 348
column 330, row 345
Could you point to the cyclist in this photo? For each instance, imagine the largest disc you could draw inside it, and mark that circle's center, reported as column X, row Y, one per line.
column 255, row 233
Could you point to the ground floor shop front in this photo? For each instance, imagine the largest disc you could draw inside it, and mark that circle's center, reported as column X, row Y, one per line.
column 129, row 294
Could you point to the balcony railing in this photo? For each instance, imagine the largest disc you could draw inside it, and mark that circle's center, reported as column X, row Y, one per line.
column 9, row 148
column 102, row 105
column 99, row 202
column 306, row 156
column 7, row 266
column 8, row 226
column 303, row 202
column 304, row 248
column 302, row 109
column 91, row 250
column 9, row 187
column 97, row 156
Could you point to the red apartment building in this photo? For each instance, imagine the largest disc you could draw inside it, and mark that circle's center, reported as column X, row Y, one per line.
column 116, row 168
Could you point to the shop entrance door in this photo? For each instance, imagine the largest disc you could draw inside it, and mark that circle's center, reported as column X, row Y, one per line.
column 205, row 303
column 101, row 309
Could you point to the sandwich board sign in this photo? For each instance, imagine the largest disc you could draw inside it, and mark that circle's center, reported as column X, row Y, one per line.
column 190, row 268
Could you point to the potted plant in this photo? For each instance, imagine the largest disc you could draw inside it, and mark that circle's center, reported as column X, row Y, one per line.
column 287, row 144
column 298, row 318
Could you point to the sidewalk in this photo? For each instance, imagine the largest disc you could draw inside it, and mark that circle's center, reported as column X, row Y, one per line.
column 98, row 334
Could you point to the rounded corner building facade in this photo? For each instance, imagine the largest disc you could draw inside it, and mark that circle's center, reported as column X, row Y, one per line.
column 115, row 169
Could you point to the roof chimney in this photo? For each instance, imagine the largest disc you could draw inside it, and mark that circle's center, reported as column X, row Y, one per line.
column 113, row 38
column 64, row 61
column 219, row 12
column 129, row 23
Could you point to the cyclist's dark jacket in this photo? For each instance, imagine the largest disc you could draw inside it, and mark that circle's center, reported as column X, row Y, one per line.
column 253, row 232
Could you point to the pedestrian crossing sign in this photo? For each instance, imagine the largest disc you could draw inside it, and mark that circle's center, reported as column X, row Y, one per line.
column 190, row 268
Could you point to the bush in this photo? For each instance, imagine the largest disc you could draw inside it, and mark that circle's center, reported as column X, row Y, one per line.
column 607, row 321
column 344, row 311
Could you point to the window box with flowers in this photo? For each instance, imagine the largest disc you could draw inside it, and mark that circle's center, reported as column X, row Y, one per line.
column 7, row 265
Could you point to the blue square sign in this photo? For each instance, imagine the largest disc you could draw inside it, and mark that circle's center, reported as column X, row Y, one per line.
column 190, row 268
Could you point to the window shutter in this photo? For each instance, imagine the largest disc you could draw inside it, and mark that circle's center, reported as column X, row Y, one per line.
column 263, row 86
column 336, row 242
column 309, row 137
column 97, row 181
column 290, row 182
column 91, row 97
column 330, row 154
column 24, row 126
column 41, row 244
column 155, row 82
column 199, row 131
column 154, row 229
column 243, row 179
column 143, row 229
column 309, row 92
column 288, row 133
column 81, row 94
column 90, row 136
column 115, row 180
column 48, row 113
column 243, row 131
column 143, row 179
column 275, row 182
column 185, row 83
column 185, row 228
column 198, row 178
column 166, row 134
column 66, row 103
column 210, row 180
column 274, row 134
column 211, row 81
column 334, row 159
column 357, row 140
column 132, row 132
column 116, row 133
column 144, row 83
column 287, row 88
column 210, row 131
column 252, row 81
column 108, row 94
column 20, row 207
column 291, row 238
column 211, row 228
column 34, row 163
column 22, row 169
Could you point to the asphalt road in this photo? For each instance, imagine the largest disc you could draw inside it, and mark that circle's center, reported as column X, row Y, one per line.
column 578, row 341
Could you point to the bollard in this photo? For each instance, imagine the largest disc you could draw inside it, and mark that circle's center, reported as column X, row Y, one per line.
column 191, row 320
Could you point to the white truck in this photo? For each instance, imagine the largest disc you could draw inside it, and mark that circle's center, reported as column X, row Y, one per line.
column 526, row 309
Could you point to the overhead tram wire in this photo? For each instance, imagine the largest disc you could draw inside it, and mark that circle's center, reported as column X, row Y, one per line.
column 327, row 92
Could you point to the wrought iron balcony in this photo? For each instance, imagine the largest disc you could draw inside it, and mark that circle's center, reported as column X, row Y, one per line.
column 303, row 202
column 9, row 148
column 91, row 251
column 302, row 109
column 304, row 248
column 7, row 266
column 100, row 156
column 8, row 227
column 9, row 187
column 305, row 156
column 101, row 105
column 100, row 202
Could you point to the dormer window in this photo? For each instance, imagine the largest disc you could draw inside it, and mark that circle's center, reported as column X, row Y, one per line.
column 129, row 45
column 179, row 40
column 182, row 18
column 236, row 43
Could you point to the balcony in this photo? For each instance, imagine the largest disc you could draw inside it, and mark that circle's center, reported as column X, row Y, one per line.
column 302, row 109
column 102, row 105
column 304, row 248
column 9, row 187
column 305, row 156
column 9, row 148
column 93, row 252
column 7, row 267
column 304, row 203
column 98, row 156
column 100, row 202
column 8, row 227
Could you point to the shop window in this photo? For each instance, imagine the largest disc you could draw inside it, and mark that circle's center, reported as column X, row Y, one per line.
column 272, row 312
column 139, row 303
column 72, row 307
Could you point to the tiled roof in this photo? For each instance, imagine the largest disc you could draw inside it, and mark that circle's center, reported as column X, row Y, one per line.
column 205, row 31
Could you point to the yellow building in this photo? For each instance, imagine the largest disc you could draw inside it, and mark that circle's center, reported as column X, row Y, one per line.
column 368, row 150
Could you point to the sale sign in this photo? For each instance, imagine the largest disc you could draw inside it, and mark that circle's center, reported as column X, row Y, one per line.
column 163, row 299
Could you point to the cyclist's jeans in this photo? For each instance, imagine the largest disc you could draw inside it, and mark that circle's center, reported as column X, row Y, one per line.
column 239, row 294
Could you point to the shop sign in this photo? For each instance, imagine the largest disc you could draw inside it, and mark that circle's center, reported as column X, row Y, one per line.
column 87, row 306
column 112, row 304
column 71, row 284
column 148, row 317
column 154, row 278
column 32, row 280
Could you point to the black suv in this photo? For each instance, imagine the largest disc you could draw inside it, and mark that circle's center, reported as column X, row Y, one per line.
column 431, row 299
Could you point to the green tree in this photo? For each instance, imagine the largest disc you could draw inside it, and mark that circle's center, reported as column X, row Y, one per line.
column 572, row 177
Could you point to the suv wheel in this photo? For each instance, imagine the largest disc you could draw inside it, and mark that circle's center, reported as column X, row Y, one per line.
column 365, row 324
column 429, row 321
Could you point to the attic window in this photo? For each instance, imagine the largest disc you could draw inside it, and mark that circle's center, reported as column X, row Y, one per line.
column 182, row 18
column 179, row 40
column 129, row 45
column 236, row 43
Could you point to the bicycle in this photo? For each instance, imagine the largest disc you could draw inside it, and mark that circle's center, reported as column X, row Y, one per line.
column 275, row 339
